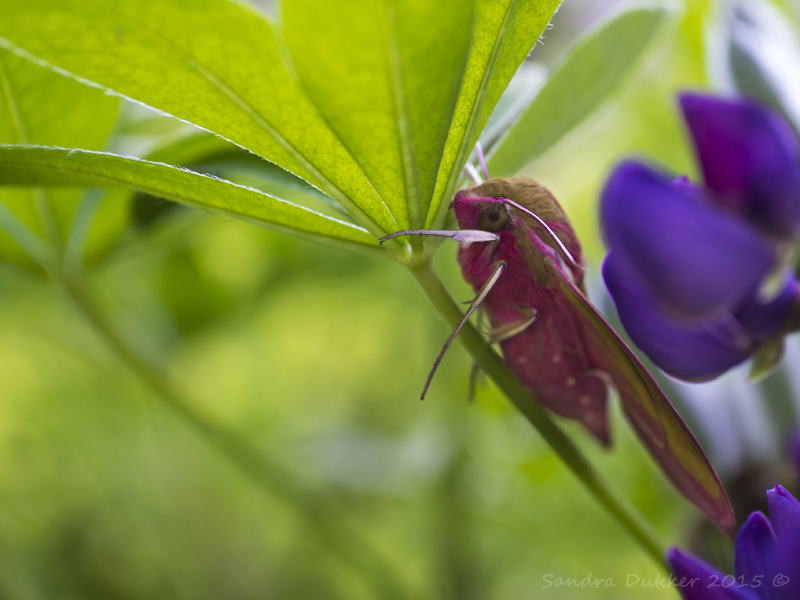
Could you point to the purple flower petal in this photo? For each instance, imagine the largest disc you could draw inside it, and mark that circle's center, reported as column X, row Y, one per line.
column 750, row 158
column 763, row 321
column 755, row 552
column 784, row 512
column 694, row 257
column 698, row 580
column 785, row 574
column 684, row 351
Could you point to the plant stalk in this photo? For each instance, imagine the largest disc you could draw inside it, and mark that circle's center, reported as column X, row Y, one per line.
column 494, row 366
column 320, row 510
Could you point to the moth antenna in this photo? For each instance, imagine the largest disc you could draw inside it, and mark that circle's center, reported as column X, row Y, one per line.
column 476, row 302
column 482, row 160
column 565, row 254
column 459, row 235
column 473, row 173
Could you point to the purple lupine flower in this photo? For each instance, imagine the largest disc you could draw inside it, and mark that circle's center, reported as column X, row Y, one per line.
column 689, row 265
column 766, row 564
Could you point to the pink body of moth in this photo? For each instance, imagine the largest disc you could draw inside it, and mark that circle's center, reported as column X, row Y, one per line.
column 557, row 343
column 550, row 355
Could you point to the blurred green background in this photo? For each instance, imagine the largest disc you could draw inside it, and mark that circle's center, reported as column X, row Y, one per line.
column 316, row 357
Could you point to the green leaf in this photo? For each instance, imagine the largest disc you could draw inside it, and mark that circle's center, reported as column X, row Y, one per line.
column 520, row 92
column 190, row 149
column 42, row 107
column 217, row 65
column 33, row 165
column 112, row 212
column 385, row 74
column 588, row 75
column 766, row 359
column 271, row 179
column 206, row 153
column 504, row 33
column 105, row 215
column 38, row 106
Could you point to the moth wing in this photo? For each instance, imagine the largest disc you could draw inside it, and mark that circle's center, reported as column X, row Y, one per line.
column 652, row 415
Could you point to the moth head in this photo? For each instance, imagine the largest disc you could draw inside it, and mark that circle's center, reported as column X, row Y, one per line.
column 494, row 217
column 487, row 214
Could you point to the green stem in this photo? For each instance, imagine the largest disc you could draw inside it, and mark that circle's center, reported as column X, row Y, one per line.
column 38, row 249
column 319, row 510
column 462, row 574
column 78, row 236
column 562, row 445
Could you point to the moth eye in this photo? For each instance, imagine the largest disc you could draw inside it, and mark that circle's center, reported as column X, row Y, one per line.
column 493, row 218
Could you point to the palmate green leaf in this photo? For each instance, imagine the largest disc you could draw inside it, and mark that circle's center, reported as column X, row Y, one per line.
column 59, row 167
column 385, row 74
column 588, row 75
column 204, row 152
column 503, row 35
column 270, row 179
column 38, row 106
column 122, row 207
column 215, row 63
column 190, row 149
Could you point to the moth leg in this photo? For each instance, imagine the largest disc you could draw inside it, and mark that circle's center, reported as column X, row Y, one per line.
column 496, row 336
column 476, row 302
column 500, row 334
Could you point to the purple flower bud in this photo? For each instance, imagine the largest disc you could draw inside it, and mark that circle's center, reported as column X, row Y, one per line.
column 688, row 264
column 697, row 580
column 756, row 546
column 784, row 511
column 749, row 156
column 767, row 563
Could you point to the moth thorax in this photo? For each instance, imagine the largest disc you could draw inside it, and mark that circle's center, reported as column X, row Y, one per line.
column 523, row 191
